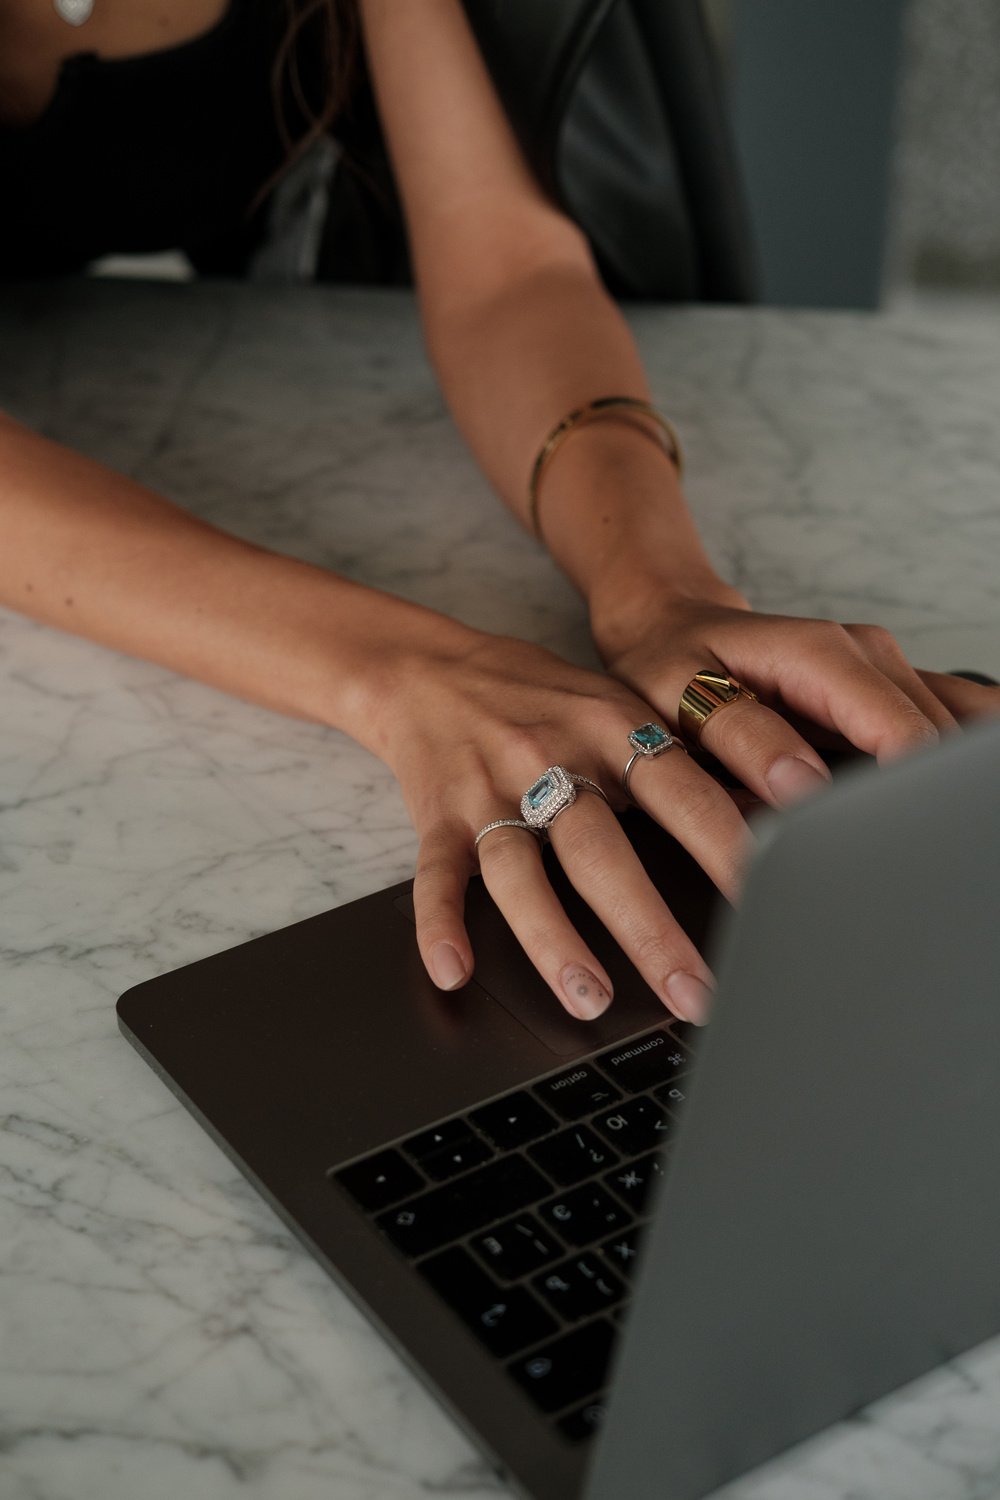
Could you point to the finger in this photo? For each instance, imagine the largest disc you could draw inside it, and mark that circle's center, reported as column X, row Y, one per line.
column 884, row 652
column 699, row 813
column 770, row 757
column 965, row 699
column 609, row 875
column 829, row 678
column 515, row 877
column 444, row 865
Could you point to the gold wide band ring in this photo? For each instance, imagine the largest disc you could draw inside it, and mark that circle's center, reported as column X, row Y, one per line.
column 707, row 692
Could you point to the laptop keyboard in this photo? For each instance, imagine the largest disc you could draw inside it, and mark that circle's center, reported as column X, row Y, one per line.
column 526, row 1215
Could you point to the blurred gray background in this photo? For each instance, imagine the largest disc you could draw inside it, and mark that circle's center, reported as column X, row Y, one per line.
column 869, row 133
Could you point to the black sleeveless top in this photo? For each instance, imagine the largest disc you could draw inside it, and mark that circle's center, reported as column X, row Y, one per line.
column 163, row 151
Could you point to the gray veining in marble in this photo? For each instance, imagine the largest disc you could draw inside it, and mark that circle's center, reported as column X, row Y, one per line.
column 160, row 1332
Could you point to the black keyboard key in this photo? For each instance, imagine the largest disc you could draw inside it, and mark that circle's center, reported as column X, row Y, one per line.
column 579, row 1287
column 457, row 1208
column 582, row 1423
column 584, row 1214
column 646, row 1061
column 461, row 1156
column 632, row 1181
column 572, row 1155
column 672, row 1095
column 517, row 1247
column 505, row 1319
column 379, row 1180
column 576, row 1093
column 515, row 1121
column 622, row 1250
column 636, row 1125
column 569, row 1369
column 428, row 1142
column 685, row 1033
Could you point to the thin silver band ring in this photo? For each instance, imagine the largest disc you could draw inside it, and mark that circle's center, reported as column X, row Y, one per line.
column 506, row 823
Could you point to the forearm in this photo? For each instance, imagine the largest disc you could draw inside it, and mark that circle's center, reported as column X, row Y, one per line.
column 515, row 363
column 516, row 321
column 92, row 552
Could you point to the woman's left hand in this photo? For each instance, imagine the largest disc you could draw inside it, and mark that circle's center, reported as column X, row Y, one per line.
column 819, row 684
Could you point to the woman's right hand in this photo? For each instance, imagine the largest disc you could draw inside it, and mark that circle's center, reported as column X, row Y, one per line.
column 467, row 730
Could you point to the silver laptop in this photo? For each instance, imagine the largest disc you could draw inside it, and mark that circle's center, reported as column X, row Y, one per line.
column 633, row 1259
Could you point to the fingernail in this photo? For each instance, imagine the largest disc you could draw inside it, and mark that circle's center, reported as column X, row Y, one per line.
column 689, row 997
column 791, row 779
column 585, row 995
column 447, row 969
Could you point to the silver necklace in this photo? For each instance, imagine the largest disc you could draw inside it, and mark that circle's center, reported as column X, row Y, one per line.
column 74, row 11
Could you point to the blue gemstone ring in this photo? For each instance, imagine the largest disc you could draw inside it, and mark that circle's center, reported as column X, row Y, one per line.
column 647, row 740
column 552, row 793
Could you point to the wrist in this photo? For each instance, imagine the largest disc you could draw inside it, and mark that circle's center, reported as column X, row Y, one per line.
column 400, row 645
column 648, row 585
column 613, row 515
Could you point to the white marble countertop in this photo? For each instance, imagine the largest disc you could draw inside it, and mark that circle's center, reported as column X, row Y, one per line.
column 161, row 1333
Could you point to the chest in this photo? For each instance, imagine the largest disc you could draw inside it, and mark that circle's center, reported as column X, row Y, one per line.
column 35, row 41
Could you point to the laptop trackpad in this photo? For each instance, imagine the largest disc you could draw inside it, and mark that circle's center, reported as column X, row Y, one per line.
column 504, row 971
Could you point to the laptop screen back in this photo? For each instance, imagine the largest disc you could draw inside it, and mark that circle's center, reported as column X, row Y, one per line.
column 830, row 1226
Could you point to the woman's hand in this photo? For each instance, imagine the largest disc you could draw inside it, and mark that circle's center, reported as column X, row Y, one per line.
column 819, row 684
column 467, row 733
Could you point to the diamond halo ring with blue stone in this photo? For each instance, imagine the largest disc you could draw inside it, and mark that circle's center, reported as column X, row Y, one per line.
column 647, row 740
column 552, row 793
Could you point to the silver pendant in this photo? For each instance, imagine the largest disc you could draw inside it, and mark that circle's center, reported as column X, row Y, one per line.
column 74, row 11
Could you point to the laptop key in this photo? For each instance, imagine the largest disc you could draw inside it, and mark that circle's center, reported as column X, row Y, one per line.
column 572, row 1155
column 646, row 1061
column 672, row 1095
column 379, row 1180
column 637, row 1125
column 576, row 1093
column 568, row 1370
column 622, row 1249
column 455, row 1209
column 516, row 1248
column 467, row 1152
column 582, row 1423
column 578, row 1287
column 584, row 1214
column 505, row 1319
column 514, row 1121
column 429, row 1142
column 632, row 1181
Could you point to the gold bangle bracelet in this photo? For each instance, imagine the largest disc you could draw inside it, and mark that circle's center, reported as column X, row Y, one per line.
column 578, row 418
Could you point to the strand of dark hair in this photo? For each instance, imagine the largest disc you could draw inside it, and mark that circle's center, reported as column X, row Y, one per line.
column 341, row 47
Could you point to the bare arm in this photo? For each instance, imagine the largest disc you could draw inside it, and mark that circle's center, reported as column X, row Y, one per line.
column 517, row 323
column 92, row 552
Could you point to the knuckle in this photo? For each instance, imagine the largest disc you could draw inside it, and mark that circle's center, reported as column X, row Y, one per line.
column 655, row 951
column 590, row 849
column 696, row 801
column 439, row 861
column 527, row 744
column 918, row 726
column 503, row 847
column 830, row 634
column 877, row 640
